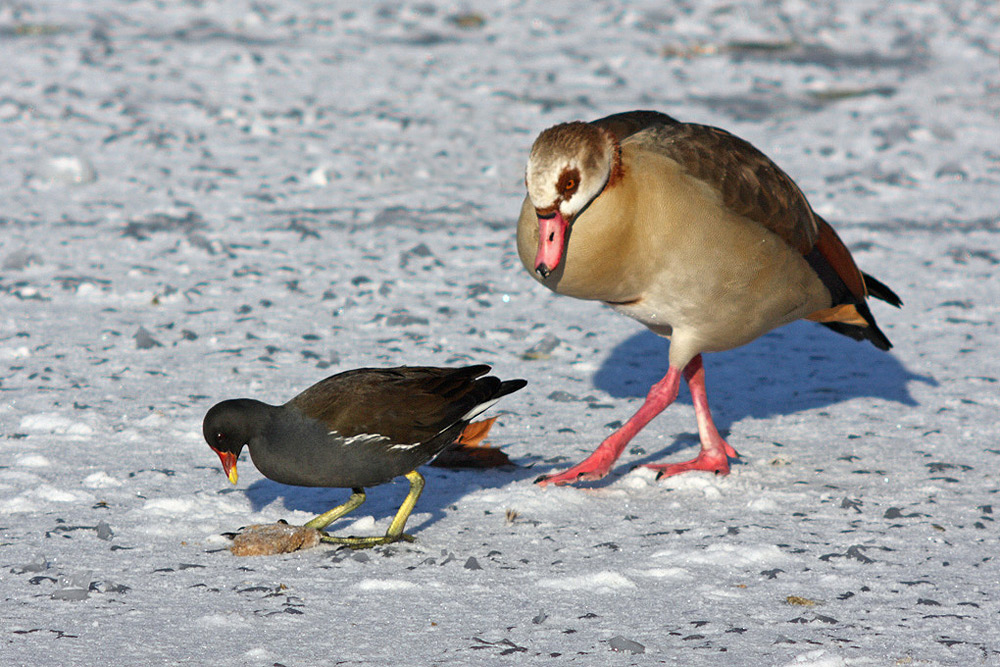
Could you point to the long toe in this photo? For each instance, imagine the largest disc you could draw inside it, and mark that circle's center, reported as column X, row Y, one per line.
column 578, row 473
column 366, row 542
column 717, row 464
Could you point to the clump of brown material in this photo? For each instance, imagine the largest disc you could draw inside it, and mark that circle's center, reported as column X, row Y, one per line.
column 801, row 601
column 273, row 538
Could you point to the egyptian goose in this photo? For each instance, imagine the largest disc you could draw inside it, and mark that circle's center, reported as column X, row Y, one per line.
column 358, row 428
column 694, row 233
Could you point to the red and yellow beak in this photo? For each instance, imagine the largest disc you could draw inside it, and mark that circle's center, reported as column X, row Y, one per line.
column 551, row 243
column 228, row 464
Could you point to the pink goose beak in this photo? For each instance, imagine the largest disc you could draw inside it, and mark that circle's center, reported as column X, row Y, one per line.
column 551, row 242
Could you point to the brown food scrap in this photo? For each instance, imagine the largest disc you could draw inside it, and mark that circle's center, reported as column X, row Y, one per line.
column 468, row 20
column 273, row 538
column 802, row 602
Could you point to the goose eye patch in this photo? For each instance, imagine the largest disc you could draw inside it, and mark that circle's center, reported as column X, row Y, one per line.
column 568, row 183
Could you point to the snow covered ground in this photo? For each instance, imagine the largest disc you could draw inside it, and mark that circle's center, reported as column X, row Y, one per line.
column 208, row 199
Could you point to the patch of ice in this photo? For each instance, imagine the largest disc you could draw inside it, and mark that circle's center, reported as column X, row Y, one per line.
column 101, row 480
column 80, row 429
column 534, row 499
column 764, row 504
column 364, row 524
column 600, row 582
column 639, row 478
column 385, row 585
column 155, row 419
column 52, row 494
column 320, row 176
column 33, row 499
column 65, row 170
column 33, row 461
column 18, row 504
column 169, row 506
column 729, row 555
column 21, row 352
column 88, row 289
column 44, row 422
column 50, row 422
column 221, row 621
column 216, row 540
column 819, row 658
column 259, row 655
column 708, row 483
column 196, row 508
column 664, row 573
column 741, row 555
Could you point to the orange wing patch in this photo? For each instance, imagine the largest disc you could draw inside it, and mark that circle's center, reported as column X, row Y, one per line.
column 471, row 450
column 475, row 433
column 846, row 313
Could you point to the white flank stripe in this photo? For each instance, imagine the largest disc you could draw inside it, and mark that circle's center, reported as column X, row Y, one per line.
column 480, row 409
column 360, row 438
column 409, row 446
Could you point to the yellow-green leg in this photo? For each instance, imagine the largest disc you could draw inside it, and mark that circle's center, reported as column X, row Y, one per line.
column 395, row 532
column 326, row 518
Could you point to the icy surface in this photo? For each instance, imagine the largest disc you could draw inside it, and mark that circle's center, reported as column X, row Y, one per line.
column 203, row 200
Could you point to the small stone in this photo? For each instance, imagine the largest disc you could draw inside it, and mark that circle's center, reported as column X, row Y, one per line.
column 542, row 349
column 39, row 564
column 144, row 340
column 20, row 259
column 420, row 250
column 108, row 587
column 623, row 645
column 104, row 531
column 855, row 553
column 851, row 503
column 71, row 594
column 401, row 318
column 67, row 170
column 472, row 564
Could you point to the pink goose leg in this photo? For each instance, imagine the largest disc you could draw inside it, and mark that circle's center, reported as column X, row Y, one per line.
column 598, row 464
column 715, row 452
column 713, row 455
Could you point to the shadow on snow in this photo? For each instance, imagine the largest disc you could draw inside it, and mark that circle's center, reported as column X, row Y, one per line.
column 444, row 488
column 799, row 367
